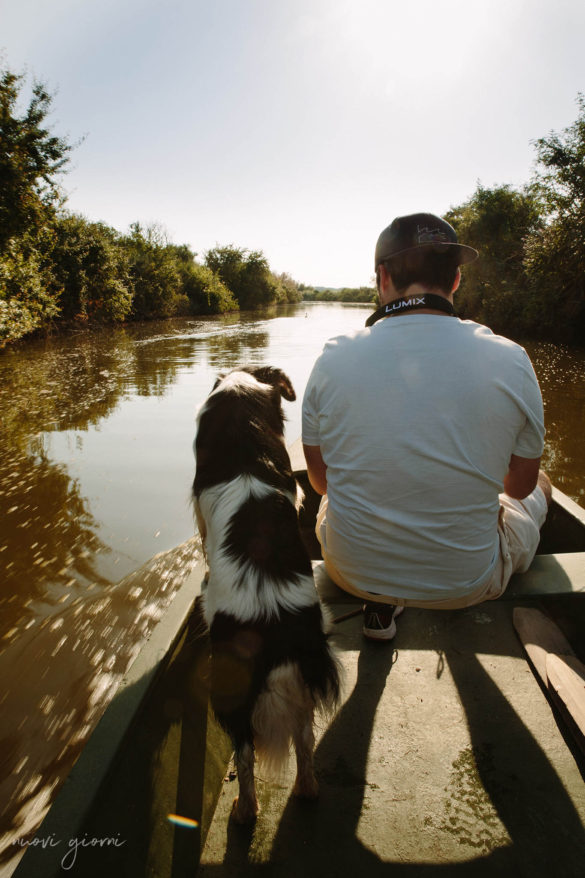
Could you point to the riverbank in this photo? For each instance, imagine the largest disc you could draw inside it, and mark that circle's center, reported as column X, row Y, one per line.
column 76, row 328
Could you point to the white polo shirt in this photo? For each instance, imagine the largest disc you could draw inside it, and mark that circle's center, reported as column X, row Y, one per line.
column 417, row 418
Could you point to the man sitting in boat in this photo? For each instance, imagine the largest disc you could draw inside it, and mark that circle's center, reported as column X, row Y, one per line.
column 424, row 433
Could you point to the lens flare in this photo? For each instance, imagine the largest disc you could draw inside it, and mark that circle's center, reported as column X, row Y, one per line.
column 182, row 821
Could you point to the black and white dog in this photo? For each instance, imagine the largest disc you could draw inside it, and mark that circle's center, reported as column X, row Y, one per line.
column 271, row 663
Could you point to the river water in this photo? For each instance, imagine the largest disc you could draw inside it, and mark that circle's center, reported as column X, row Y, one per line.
column 95, row 471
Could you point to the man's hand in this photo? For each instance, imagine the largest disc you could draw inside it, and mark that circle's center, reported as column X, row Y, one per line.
column 316, row 468
column 522, row 476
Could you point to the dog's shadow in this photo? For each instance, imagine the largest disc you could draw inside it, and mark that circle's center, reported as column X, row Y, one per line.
column 341, row 778
column 341, row 771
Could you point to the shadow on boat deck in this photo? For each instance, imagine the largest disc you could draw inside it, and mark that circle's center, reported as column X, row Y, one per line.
column 413, row 783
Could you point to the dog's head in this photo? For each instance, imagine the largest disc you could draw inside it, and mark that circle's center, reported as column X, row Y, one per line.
column 276, row 378
column 243, row 409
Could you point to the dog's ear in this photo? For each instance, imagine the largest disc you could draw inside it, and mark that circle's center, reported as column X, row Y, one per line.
column 219, row 379
column 276, row 377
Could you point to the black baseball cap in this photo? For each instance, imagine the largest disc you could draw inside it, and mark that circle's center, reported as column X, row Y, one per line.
column 420, row 230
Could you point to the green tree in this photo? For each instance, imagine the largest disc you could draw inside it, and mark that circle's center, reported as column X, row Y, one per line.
column 246, row 274
column 555, row 253
column 204, row 290
column 227, row 263
column 155, row 276
column 258, row 286
column 30, row 159
column 92, row 268
column 28, row 296
column 290, row 288
column 497, row 222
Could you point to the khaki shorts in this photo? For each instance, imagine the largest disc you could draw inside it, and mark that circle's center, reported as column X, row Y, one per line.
column 519, row 526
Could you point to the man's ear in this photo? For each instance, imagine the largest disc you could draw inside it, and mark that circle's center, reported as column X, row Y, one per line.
column 457, row 281
column 382, row 281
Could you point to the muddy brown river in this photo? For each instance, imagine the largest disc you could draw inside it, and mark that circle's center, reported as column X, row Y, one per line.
column 95, row 470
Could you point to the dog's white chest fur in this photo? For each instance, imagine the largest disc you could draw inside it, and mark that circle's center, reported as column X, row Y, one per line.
column 241, row 588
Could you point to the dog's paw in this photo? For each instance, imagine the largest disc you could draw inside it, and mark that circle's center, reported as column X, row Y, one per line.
column 306, row 788
column 244, row 812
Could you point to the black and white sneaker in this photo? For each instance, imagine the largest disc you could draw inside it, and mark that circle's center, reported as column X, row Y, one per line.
column 379, row 621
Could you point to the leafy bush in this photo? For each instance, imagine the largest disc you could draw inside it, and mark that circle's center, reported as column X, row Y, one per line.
column 153, row 269
column 92, row 268
column 27, row 297
column 555, row 254
column 496, row 222
column 247, row 275
column 346, row 294
column 206, row 293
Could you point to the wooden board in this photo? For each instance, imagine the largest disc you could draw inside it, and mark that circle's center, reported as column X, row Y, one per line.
column 540, row 636
column 553, row 659
column 566, row 675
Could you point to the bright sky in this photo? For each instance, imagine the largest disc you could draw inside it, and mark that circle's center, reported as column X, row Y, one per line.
column 297, row 127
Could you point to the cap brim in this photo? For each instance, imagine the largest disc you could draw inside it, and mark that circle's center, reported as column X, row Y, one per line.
column 466, row 254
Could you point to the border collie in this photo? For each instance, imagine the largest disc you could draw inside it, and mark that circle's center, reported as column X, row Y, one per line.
column 271, row 663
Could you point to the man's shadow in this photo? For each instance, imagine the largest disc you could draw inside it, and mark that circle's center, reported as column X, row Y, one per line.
column 546, row 834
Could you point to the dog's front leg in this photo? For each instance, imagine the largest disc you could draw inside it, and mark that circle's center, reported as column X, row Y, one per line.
column 306, row 785
column 245, row 808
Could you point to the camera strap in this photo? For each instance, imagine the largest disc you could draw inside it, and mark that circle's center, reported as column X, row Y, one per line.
column 411, row 303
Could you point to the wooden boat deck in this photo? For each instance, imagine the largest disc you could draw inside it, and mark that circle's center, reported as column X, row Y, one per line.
column 445, row 758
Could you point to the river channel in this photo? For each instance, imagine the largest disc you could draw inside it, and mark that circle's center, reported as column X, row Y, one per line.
column 95, row 470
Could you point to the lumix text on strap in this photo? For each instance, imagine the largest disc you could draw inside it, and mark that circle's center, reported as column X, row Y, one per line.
column 411, row 303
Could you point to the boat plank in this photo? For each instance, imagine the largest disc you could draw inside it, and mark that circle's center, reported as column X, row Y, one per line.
column 566, row 675
column 539, row 636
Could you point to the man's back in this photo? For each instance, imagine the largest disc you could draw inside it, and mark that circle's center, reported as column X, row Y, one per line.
column 417, row 419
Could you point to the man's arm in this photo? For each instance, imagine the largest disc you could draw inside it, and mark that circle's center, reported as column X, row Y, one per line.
column 316, row 468
column 522, row 476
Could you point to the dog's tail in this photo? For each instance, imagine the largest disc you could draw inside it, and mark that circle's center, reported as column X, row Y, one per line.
column 284, row 710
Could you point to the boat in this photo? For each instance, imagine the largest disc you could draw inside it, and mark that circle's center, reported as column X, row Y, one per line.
column 446, row 756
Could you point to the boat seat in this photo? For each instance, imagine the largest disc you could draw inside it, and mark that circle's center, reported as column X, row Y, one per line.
column 548, row 576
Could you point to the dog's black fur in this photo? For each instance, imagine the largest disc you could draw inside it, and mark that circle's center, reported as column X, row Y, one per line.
column 271, row 661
